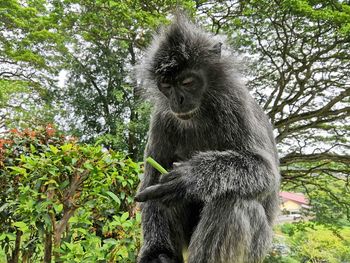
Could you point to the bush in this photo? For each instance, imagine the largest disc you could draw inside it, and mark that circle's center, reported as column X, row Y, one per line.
column 310, row 242
column 64, row 201
column 319, row 244
column 280, row 251
column 279, row 259
column 288, row 229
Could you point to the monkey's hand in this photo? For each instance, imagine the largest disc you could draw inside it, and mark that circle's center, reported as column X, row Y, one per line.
column 172, row 186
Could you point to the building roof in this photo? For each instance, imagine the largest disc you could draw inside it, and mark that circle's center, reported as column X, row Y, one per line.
column 296, row 197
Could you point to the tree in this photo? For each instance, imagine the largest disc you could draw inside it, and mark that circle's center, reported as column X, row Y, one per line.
column 297, row 54
column 105, row 39
column 28, row 45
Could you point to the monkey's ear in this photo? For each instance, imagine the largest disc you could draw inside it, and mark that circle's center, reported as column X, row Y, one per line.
column 216, row 49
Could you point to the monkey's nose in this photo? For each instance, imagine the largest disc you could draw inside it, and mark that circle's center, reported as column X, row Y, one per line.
column 181, row 99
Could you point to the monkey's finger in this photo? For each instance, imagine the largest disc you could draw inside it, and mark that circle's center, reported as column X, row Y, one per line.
column 176, row 165
column 152, row 192
column 165, row 259
column 167, row 177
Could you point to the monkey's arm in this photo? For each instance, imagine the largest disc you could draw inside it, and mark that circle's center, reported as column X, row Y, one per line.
column 246, row 174
column 214, row 173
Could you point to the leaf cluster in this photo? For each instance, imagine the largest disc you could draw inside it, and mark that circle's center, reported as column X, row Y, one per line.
column 75, row 198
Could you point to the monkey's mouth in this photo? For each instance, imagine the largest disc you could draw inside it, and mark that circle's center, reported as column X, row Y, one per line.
column 186, row 115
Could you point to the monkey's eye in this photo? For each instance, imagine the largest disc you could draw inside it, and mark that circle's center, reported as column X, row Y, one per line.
column 187, row 82
column 165, row 85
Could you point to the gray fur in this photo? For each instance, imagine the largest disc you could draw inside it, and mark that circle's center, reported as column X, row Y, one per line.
column 221, row 200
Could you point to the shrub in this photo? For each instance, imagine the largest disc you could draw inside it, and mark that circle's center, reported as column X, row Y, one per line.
column 64, row 201
column 288, row 229
column 319, row 244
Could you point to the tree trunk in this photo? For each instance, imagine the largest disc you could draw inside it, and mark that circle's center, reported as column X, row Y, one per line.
column 15, row 253
column 61, row 226
column 48, row 247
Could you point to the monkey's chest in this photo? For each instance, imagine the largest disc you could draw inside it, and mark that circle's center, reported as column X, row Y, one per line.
column 181, row 155
column 189, row 144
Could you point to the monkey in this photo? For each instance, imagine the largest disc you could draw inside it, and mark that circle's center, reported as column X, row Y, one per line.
column 220, row 197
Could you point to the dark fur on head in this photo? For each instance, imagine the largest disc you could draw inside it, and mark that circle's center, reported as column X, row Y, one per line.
column 182, row 45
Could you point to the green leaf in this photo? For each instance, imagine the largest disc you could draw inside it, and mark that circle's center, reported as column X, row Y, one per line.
column 114, row 197
column 51, row 181
column 123, row 252
column 66, row 147
column 131, row 182
column 32, row 148
column 88, row 166
column 54, row 149
column 69, row 245
column 21, row 225
column 3, row 236
column 64, row 184
column 58, row 208
column 3, row 207
column 111, row 241
column 124, row 217
column 138, row 217
column 47, row 219
column 20, row 170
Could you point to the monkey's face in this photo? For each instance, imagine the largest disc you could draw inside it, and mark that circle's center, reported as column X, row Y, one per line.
column 184, row 92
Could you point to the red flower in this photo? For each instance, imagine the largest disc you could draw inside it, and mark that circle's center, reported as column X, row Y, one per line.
column 3, row 142
column 50, row 130
column 14, row 131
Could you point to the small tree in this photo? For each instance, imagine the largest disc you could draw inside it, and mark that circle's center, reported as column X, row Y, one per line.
column 66, row 201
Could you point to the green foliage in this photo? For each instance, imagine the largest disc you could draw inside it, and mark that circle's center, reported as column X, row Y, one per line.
column 77, row 197
column 105, row 42
column 280, row 259
column 289, row 44
column 29, row 42
column 288, row 229
column 26, row 31
column 310, row 242
column 330, row 205
column 329, row 195
column 335, row 12
column 27, row 104
column 319, row 244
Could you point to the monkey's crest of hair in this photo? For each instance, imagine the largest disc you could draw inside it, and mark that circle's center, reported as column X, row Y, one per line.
column 181, row 45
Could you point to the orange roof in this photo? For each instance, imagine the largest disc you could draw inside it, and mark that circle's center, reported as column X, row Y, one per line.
column 296, row 197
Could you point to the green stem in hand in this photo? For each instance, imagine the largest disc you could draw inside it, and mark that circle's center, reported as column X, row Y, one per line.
column 156, row 165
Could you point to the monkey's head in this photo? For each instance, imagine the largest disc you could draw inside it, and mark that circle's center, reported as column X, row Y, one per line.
column 182, row 57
